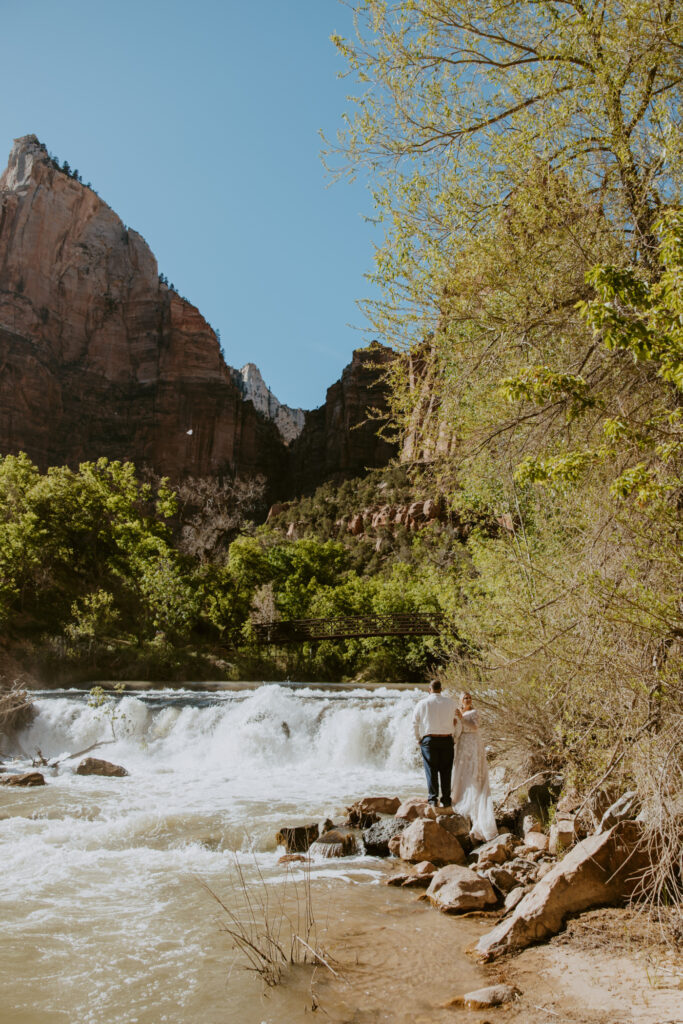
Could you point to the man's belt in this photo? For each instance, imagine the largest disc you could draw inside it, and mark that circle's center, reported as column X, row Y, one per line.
column 438, row 736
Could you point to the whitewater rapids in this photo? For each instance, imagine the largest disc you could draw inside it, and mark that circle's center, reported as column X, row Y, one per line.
column 104, row 916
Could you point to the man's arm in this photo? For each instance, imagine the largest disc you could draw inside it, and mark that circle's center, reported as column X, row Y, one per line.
column 416, row 723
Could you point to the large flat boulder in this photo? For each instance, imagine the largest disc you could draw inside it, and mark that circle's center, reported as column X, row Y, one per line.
column 425, row 839
column 455, row 888
column 603, row 869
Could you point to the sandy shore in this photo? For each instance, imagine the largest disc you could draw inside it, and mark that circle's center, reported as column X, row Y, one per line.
column 399, row 961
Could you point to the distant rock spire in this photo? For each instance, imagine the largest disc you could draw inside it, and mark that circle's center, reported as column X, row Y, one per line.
column 290, row 422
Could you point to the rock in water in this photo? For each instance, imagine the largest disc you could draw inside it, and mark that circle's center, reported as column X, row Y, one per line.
column 376, row 838
column 296, row 838
column 338, row 842
column 484, row 998
column 94, row 766
column 455, row 889
column 603, row 869
column 425, row 839
column 27, row 779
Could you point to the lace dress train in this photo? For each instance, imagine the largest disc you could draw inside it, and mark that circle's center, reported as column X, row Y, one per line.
column 471, row 788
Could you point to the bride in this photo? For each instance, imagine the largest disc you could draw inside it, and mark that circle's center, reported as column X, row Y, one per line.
column 471, row 790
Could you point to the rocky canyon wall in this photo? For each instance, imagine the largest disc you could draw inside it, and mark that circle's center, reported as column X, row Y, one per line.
column 98, row 356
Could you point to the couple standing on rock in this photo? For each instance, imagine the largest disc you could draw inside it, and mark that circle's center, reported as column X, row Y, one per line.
column 454, row 758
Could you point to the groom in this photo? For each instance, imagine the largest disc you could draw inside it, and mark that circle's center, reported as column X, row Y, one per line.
column 434, row 724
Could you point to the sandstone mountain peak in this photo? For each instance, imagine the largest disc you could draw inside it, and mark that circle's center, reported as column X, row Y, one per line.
column 290, row 422
column 26, row 155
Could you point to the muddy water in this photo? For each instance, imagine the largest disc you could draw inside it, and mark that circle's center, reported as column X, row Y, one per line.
column 106, row 917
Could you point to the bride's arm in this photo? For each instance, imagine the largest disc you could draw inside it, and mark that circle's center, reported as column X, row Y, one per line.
column 470, row 721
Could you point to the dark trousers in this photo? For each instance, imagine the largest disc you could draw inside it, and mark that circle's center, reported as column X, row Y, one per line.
column 437, row 756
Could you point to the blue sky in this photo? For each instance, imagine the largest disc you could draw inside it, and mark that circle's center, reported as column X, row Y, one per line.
column 198, row 123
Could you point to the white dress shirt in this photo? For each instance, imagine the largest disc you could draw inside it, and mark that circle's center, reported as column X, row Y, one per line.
column 434, row 715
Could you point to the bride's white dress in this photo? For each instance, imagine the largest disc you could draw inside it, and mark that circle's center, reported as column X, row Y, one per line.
column 471, row 789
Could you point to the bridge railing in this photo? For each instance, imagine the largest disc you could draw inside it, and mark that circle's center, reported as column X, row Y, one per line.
column 349, row 627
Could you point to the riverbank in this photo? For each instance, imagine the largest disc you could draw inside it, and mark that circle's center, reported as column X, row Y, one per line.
column 402, row 962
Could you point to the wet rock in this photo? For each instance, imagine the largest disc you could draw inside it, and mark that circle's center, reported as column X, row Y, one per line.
column 297, row 838
column 602, row 870
column 412, row 809
column 294, row 858
column 95, row 766
column 398, row 880
column 427, row 840
column 356, row 817
column 379, row 804
column 338, row 842
column 326, row 826
column 536, row 841
column 502, row 879
column 496, row 851
column 421, row 875
column 485, row 998
column 425, row 867
column 394, row 845
column 625, row 808
column 455, row 888
column 26, row 779
column 376, row 838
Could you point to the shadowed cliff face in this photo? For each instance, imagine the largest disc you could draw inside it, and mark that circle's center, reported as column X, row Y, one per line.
column 96, row 356
column 339, row 440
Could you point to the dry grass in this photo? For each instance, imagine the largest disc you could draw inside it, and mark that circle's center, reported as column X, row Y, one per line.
column 272, row 927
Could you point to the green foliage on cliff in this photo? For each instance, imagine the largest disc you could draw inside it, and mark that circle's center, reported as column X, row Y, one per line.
column 99, row 569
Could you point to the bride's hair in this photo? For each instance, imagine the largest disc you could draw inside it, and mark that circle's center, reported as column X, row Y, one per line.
column 465, row 693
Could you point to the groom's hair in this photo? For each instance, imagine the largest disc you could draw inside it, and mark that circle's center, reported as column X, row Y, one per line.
column 435, row 686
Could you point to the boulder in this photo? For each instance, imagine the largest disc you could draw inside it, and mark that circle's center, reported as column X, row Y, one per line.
column 376, row 838
column 525, row 870
column 297, row 838
column 457, row 824
column 379, row 804
column 394, row 845
column 412, row 809
column 26, row 779
column 514, row 896
column 603, row 869
column 358, row 818
column 561, row 836
column 536, row 841
column 485, row 998
column 293, row 858
column 625, row 808
column 94, row 766
column 338, row 842
column 427, row 840
column 497, row 850
column 502, row 879
column 455, row 888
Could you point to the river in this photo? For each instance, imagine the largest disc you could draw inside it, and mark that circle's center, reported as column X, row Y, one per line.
column 106, row 917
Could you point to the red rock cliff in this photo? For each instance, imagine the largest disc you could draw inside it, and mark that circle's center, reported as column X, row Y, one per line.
column 339, row 440
column 97, row 357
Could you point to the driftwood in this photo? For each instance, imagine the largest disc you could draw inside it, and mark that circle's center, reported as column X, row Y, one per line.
column 78, row 753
